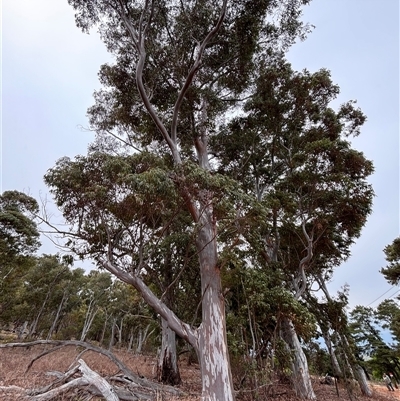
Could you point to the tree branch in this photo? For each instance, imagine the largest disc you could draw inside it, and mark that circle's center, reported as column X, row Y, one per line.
column 193, row 70
column 182, row 329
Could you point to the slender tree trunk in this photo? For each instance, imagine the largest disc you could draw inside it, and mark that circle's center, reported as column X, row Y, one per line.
column 21, row 330
column 120, row 332
column 346, row 355
column 141, row 339
column 34, row 324
column 167, row 367
column 90, row 315
column 337, row 372
column 130, row 341
column 103, row 332
column 55, row 320
column 300, row 376
column 111, row 343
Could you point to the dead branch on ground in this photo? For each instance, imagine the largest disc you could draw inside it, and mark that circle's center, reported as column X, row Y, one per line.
column 132, row 386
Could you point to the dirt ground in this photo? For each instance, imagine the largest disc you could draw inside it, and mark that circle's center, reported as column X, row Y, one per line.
column 13, row 364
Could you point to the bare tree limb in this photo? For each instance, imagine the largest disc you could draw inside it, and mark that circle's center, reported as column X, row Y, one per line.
column 96, row 380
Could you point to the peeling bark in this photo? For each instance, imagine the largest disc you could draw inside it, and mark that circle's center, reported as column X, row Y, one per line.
column 213, row 356
column 167, row 368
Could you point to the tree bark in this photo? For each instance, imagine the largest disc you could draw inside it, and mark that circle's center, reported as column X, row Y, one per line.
column 300, row 376
column 55, row 320
column 96, row 380
column 337, row 371
column 142, row 337
column 111, row 342
column 213, row 356
column 90, row 315
column 167, row 368
column 362, row 381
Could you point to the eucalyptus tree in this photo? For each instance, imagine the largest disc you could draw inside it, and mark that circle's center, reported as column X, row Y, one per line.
column 181, row 67
column 42, row 292
column 296, row 159
column 18, row 230
column 66, row 298
column 19, row 240
column 96, row 296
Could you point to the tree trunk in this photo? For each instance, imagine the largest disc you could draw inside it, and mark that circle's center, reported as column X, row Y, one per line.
column 21, row 330
column 34, row 324
column 212, row 343
column 90, row 315
column 55, row 320
column 362, row 381
column 142, row 335
column 120, row 333
column 300, row 377
column 103, row 332
column 130, row 342
column 337, row 371
column 167, row 367
column 346, row 354
column 112, row 335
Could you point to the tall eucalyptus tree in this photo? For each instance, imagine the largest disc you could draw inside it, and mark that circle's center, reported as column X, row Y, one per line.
column 181, row 68
column 297, row 161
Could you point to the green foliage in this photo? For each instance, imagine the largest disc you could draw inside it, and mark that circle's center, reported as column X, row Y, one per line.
column 18, row 231
column 19, row 239
column 388, row 313
column 295, row 158
column 318, row 359
column 392, row 271
column 366, row 328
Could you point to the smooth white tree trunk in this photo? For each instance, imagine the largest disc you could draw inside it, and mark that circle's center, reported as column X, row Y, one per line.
column 112, row 335
column 90, row 315
column 300, row 375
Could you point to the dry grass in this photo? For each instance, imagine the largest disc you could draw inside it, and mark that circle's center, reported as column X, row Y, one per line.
column 13, row 364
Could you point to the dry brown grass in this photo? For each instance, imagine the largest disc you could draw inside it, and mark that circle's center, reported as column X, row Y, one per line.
column 13, row 364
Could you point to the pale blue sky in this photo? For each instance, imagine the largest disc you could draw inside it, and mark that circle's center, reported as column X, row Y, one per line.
column 49, row 72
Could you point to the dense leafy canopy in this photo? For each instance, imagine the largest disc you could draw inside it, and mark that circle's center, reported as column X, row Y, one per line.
column 18, row 231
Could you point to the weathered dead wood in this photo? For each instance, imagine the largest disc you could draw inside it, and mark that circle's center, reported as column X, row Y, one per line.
column 97, row 381
column 61, row 379
column 11, row 392
column 64, row 388
column 138, row 387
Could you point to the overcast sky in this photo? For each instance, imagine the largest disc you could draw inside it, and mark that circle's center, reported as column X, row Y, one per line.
column 49, row 72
